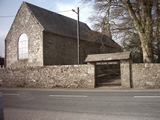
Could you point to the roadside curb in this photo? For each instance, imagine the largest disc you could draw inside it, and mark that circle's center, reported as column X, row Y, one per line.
column 105, row 89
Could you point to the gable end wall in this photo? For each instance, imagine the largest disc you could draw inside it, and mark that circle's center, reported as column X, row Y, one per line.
column 24, row 22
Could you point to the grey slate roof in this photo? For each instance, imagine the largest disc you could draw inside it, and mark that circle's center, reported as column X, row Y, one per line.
column 58, row 24
column 108, row 57
column 62, row 25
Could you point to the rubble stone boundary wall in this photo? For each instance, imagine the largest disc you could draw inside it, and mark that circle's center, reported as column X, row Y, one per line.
column 64, row 76
column 145, row 75
column 83, row 76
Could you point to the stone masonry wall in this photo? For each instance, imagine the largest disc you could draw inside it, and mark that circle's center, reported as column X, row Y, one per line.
column 146, row 75
column 61, row 50
column 66, row 76
column 24, row 22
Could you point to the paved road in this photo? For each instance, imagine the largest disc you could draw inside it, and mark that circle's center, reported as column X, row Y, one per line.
column 30, row 104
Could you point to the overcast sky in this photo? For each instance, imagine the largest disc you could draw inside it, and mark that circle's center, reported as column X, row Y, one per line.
column 10, row 7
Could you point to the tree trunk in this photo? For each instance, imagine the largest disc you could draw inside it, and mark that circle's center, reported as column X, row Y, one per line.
column 143, row 27
column 158, row 52
column 157, row 34
column 147, row 51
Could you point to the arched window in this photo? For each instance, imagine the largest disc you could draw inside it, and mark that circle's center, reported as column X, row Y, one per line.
column 23, row 47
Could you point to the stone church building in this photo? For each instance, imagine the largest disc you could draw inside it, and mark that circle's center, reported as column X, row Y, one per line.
column 39, row 37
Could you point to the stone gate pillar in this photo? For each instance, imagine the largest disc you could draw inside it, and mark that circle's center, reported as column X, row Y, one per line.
column 125, row 73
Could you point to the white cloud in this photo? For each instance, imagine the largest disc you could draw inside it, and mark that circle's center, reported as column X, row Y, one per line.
column 66, row 10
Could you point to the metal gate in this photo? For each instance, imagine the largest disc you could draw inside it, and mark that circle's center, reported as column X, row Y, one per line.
column 108, row 74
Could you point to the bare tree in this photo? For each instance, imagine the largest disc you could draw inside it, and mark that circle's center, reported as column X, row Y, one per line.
column 156, row 28
column 128, row 17
column 142, row 20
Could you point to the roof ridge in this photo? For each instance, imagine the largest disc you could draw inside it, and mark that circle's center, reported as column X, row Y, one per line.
column 62, row 25
column 52, row 11
column 57, row 23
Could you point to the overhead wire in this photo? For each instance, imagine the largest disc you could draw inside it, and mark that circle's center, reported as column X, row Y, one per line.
column 42, row 15
column 55, row 4
column 81, row 7
column 7, row 16
column 64, row 11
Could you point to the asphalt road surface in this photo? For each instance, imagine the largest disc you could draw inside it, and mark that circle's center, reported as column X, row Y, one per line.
column 41, row 104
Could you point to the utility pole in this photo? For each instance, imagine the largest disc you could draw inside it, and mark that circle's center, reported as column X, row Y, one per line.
column 78, row 35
